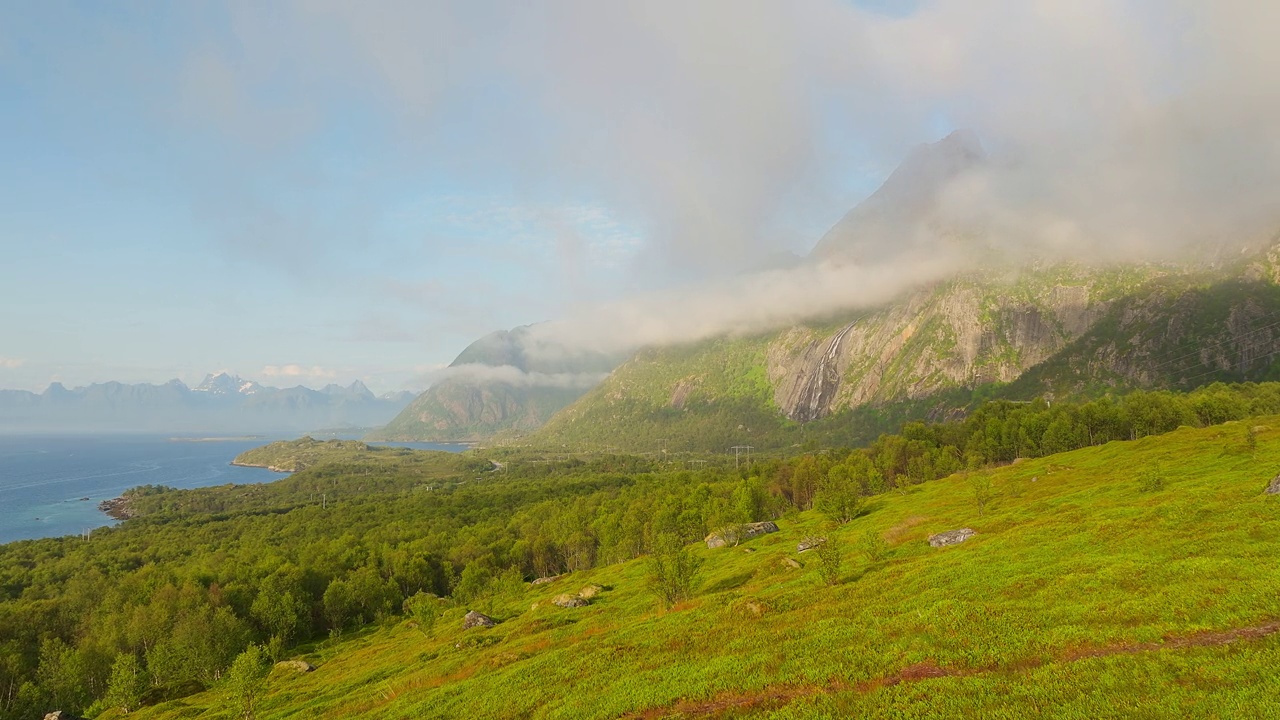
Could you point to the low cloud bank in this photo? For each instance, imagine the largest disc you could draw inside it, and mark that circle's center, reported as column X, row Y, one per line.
column 746, row 304
column 511, row 375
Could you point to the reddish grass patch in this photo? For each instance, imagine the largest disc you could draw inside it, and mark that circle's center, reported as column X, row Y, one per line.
column 778, row 695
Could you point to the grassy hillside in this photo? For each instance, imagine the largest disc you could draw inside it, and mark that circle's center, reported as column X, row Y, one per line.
column 711, row 394
column 1133, row 579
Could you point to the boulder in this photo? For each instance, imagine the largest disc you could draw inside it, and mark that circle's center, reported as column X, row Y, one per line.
column 791, row 563
column 545, row 580
column 951, row 537
column 298, row 666
column 569, row 600
column 1274, row 487
column 475, row 619
column 60, row 715
column 590, row 591
column 735, row 535
column 809, row 543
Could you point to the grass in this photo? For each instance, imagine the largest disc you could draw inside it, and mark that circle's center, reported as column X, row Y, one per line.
column 1067, row 603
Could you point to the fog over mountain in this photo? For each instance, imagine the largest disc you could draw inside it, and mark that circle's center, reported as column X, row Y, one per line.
column 1099, row 132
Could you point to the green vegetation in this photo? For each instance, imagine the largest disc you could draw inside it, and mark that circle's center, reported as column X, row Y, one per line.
column 294, row 455
column 365, row 562
column 1079, row 594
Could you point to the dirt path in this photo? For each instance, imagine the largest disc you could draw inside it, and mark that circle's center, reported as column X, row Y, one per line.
column 775, row 696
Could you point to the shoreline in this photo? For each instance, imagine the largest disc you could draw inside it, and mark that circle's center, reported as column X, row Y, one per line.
column 230, row 438
column 118, row 508
column 272, row 468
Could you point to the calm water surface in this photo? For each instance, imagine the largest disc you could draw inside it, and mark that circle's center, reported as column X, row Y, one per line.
column 51, row 485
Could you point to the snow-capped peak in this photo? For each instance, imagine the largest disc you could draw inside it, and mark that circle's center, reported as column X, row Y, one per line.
column 223, row 383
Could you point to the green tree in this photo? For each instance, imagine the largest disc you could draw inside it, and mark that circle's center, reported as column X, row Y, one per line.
column 64, row 674
column 128, row 683
column 339, row 604
column 476, row 578
column 672, row 571
column 247, row 680
column 840, row 495
column 281, row 607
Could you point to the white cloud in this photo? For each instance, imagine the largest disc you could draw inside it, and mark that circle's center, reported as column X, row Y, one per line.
column 512, row 376
column 314, row 372
column 9, row 363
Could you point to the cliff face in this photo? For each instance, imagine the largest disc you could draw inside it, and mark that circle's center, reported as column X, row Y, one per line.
column 961, row 334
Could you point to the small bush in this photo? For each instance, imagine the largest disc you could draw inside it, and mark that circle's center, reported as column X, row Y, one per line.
column 829, row 559
column 874, row 546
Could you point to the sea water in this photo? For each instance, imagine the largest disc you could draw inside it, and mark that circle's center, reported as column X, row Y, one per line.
column 51, row 485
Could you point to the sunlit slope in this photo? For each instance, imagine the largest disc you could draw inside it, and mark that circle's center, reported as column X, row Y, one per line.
column 1090, row 590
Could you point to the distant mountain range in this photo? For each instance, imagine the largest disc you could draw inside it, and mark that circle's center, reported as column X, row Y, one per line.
column 222, row 403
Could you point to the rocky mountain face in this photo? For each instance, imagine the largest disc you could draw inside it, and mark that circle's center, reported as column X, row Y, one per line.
column 962, row 334
column 1051, row 332
column 222, row 403
column 505, row 380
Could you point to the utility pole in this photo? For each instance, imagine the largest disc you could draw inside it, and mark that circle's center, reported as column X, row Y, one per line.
column 324, row 501
column 739, row 448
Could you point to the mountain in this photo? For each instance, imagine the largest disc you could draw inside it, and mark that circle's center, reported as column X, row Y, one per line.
column 221, row 403
column 1009, row 330
column 903, row 212
column 1058, row 331
column 225, row 384
column 506, row 380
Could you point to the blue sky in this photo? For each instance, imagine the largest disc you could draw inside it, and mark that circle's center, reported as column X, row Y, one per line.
column 323, row 191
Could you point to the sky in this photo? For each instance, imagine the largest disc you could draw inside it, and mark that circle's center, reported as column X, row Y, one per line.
column 314, row 192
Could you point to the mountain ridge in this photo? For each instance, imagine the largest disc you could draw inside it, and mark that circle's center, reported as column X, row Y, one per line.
column 222, row 402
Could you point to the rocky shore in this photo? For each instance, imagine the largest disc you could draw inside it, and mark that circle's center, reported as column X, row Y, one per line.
column 118, row 508
column 272, row 468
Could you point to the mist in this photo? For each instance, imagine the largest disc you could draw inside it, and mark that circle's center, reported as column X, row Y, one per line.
column 511, row 375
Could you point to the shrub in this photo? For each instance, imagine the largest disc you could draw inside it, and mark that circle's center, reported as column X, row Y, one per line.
column 829, row 558
column 672, row 571
column 874, row 546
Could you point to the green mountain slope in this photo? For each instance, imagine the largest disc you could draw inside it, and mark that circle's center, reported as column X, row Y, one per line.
column 1057, row 331
column 1126, row 580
